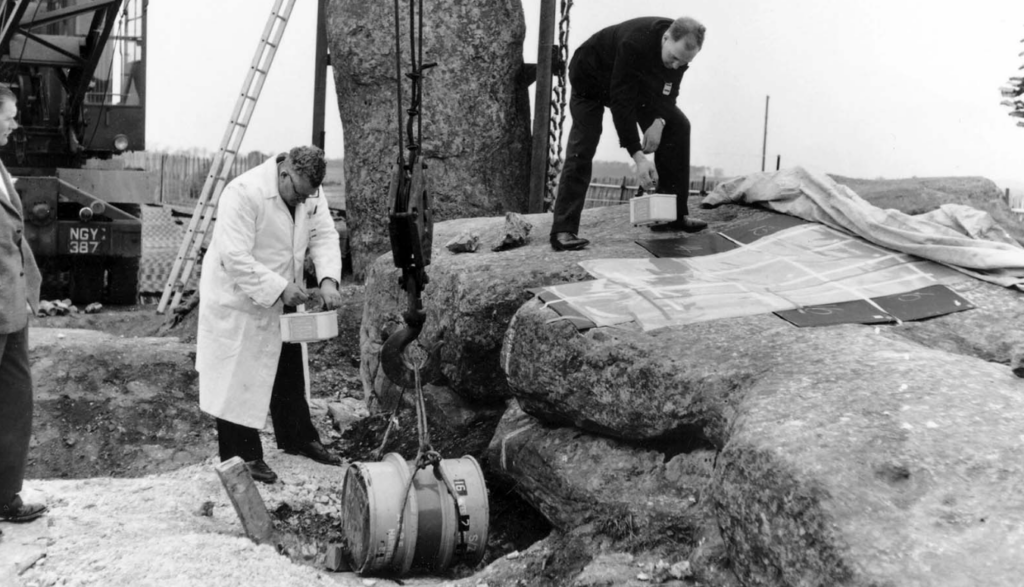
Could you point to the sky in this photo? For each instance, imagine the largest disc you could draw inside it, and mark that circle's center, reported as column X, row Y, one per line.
column 868, row 89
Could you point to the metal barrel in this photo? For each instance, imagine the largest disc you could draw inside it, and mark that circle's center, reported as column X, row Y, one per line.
column 440, row 529
column 452, row 530
column 372, row 496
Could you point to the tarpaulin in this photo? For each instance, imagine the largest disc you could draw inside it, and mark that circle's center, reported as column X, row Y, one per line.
column 806, row 265
column 959, row 236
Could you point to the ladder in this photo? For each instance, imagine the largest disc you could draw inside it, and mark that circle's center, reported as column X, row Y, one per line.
column 217, row 178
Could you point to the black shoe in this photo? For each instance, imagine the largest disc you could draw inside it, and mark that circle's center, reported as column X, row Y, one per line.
column 687, row 224
column 316, row 451
column 261, row 471
column 567, row 241
column 18, row 511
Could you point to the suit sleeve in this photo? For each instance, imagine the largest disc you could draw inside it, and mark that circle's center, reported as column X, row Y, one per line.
column 625, row 95
column 235, row 238
column 324, row 243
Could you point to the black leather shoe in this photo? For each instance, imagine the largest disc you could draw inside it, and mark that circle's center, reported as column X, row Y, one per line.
column 261, row 471
column 18, row 511
column 316, row 451
column 687, row 224
column 567, row 241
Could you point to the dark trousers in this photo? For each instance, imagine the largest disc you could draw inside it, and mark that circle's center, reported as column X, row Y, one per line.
column 15, row 412
column 672, row 159
column 288, row 410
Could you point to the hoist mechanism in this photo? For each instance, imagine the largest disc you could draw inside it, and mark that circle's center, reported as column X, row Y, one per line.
column 411, row 222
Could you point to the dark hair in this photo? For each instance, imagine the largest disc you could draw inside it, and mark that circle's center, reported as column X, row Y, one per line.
column 7, row 94
column 309, row 163
column 684, row 26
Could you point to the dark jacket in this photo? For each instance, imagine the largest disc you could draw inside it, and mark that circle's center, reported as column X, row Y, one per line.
column 621, row 66
column 19, row 276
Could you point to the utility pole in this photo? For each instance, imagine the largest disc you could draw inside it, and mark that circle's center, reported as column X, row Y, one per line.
column 764, row 143
column 542, row 107
column 321, row 61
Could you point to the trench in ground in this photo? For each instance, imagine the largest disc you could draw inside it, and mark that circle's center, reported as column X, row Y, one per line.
column 76, row 438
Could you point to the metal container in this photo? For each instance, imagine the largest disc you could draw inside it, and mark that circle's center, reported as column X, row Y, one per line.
column 652, row 209
column 309, row 326
column 439, row 529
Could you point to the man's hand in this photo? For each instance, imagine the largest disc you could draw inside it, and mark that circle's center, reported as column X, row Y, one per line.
column 646, row 174
column 652, row 136
column 294, row 295
column 330, row 295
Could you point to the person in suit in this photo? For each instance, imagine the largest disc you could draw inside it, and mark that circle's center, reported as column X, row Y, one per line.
column 634, row 69
column 267, row 218
column 19, row 296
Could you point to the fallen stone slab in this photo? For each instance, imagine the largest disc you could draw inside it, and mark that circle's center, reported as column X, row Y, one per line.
column 849, row 454
column 624, row 383
column 471, row 299
column 626, row 497
column 575, row 478
column 889, row 463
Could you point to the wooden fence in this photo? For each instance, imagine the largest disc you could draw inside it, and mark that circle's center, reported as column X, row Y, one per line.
column 1016, row 202
column 610, row 191
column 182, row 175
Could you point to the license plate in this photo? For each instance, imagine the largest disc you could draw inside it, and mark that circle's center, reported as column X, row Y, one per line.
column 84, row 240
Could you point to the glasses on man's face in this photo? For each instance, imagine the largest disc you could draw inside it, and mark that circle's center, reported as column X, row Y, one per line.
column 297, row 192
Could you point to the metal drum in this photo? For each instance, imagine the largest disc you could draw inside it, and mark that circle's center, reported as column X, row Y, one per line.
column 371, row 498
column 440, row 530
column 448, row 533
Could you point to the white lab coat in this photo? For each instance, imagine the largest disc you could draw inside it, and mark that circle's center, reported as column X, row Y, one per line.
column 256, row 250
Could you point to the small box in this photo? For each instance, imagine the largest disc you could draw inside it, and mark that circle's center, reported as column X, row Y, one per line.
column 309, row 326
column 652, row 209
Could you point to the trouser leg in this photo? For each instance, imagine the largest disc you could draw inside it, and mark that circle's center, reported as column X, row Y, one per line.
column 584, row 136
column 235, row 440
column 672, row 160
column 15, row 412
column 288, row 407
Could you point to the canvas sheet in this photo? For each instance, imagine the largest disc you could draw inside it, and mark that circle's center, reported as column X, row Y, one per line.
column 956, row 235
column 806, row 265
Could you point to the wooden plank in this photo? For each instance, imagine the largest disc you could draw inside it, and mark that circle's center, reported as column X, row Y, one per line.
column 247, row 501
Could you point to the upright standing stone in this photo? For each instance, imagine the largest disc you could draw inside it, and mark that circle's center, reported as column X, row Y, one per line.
column 476, row 137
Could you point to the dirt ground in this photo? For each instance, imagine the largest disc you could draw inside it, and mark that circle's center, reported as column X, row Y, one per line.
column 84, row 432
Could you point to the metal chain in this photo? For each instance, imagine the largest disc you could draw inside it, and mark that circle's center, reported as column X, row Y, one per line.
column 427, row 456
column 558, row 108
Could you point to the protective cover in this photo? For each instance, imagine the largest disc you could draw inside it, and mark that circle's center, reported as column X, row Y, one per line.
column 806, row 265
column 960, row 236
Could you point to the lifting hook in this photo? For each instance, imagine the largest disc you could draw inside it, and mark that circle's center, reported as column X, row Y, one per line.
column 411, row 221
column 411, row 230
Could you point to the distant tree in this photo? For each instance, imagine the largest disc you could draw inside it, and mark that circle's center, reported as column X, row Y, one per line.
column 1013, row 94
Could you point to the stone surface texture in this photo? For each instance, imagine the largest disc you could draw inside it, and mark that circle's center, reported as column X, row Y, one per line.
column 472, row 297
column 846, row 455
column 475, row 111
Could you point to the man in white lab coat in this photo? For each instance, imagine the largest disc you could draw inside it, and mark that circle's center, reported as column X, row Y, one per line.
column 267, row 218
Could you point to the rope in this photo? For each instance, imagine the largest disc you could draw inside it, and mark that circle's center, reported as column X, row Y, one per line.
column 557, row 119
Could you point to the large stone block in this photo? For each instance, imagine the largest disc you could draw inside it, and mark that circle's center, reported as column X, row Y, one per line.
column 849, row 454
column 475, row 111
column 472, row 297
column 575, row 478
